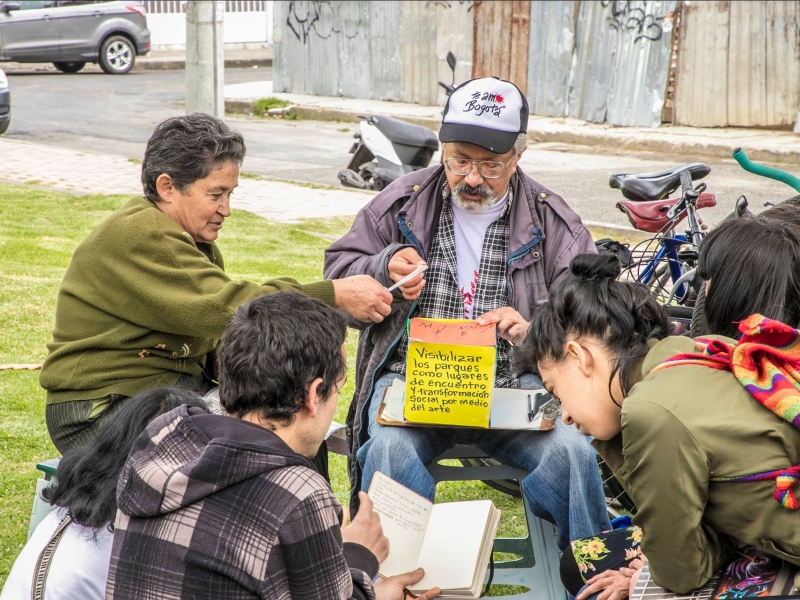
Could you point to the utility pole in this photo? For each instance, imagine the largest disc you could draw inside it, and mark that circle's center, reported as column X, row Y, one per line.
column 205, row 57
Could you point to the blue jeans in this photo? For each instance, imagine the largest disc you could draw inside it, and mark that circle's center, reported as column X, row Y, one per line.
column 563, row 487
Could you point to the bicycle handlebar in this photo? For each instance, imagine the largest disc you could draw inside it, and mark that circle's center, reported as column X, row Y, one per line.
column 770, row 172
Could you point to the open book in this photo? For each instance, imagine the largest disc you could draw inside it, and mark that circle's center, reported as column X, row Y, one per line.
column 451, row 541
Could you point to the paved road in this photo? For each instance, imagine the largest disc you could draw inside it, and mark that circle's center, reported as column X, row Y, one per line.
column 103, row 113
column 115, row 115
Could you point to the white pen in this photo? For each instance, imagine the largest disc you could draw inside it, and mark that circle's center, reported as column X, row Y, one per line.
column 408, row 277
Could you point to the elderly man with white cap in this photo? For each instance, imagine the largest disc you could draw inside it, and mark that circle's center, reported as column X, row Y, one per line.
column 494, row 241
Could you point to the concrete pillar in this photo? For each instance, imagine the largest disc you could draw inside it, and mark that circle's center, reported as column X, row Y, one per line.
column 205, row 57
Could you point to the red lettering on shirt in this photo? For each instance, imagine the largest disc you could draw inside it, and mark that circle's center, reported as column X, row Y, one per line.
column 468, row 296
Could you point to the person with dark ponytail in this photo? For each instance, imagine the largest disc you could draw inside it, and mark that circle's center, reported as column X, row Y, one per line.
column 677, row 438
column 84, row 497
column 754, row 263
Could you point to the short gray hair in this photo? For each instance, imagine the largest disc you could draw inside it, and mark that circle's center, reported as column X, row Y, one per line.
column 188, row 148
column 520, row 144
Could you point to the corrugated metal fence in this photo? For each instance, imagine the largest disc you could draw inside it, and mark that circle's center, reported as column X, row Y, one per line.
column 738, row 64
column 377, row 50
column 596, row 60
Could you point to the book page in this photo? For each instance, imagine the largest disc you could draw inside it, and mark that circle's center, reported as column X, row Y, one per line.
column 394, row 399
column 453, row 544
column 404, row 517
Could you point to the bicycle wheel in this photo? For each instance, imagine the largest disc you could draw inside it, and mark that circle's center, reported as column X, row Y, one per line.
column 613, row 489
column 659, row 282
column 699, row 324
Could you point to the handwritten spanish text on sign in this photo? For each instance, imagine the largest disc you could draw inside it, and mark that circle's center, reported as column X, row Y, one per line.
column 452, row 331
column 449, row 384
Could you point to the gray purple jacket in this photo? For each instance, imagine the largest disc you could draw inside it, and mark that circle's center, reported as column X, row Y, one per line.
column 544, row 235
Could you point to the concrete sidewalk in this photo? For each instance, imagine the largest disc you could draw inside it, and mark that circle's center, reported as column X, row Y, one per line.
column 759, row 144
column 82, row 173
column 176, row 59
column 160, row 60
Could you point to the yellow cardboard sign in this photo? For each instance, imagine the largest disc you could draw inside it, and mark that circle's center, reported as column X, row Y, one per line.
column 449, row 384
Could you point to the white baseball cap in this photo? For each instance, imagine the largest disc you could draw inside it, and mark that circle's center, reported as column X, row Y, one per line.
column 487, row 112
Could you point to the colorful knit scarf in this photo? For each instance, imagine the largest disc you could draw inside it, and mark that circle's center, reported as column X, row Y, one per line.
column 766, row 361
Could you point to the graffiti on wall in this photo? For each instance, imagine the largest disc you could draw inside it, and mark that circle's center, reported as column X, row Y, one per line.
column 321, row 19
column 446, row 4
column 632, row 16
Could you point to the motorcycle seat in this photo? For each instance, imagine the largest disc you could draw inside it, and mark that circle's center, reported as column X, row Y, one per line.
column 404, row 133
column 652, row 216
column 655, row 186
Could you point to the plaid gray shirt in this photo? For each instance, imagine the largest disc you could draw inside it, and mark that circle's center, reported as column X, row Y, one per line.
column 441, row 298
column 214, row 508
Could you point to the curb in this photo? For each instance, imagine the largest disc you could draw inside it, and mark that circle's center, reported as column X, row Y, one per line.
column 314, row 113
column 230, row 63
column 612, row 138
column 652, row 143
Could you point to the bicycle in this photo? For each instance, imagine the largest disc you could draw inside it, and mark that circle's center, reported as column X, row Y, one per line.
column 669, row 268
column 664, row 263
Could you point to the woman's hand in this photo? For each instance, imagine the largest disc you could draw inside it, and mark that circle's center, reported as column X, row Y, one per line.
column 393, row 588
column 635, row 568
column 613, row 585
column 363, row 297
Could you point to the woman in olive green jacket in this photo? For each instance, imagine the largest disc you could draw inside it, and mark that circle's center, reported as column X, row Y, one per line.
column 145, row 298
column 667, row 434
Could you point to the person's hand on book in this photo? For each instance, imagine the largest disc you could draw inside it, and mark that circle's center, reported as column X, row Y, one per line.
column 510, row 324
column 394, row 588
column 613, row 584
column 405, row 262
column 365, row 529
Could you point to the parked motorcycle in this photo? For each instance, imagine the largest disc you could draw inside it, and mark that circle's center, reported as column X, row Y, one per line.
column 386, row 149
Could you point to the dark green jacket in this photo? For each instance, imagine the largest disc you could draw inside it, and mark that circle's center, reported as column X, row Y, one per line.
column 140, row 305
column 682, row 426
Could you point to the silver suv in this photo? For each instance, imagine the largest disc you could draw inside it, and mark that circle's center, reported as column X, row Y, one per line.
column 70, row 33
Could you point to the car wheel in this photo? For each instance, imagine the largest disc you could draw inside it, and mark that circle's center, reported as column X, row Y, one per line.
column 69, row 67
column 4, row 126
column 117, row 55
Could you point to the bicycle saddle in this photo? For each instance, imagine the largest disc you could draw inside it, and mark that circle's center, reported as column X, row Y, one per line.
column 652, row 216
column 655, row 186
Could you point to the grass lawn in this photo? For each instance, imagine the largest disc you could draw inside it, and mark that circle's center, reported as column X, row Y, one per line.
column 39, row 230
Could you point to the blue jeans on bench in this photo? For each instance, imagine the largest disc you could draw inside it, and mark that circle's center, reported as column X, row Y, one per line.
column 563, row 487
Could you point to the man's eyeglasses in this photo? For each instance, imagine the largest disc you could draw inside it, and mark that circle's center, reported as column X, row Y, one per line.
column 489, row 169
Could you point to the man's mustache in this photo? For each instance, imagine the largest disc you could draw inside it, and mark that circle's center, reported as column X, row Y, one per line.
column 481, row 190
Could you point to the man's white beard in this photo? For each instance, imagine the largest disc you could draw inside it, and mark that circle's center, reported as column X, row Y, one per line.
column 487, row 197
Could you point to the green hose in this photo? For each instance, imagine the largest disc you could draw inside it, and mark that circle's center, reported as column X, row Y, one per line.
column 770, row 172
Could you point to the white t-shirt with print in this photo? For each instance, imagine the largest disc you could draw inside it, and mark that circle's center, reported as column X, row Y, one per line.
column 469, row 231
